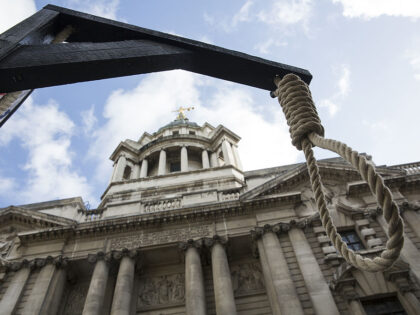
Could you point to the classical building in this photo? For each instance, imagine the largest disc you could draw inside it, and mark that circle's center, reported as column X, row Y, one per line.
column 182, row 229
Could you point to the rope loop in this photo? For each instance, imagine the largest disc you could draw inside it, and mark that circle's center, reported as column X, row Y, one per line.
column 299, row 109
column 306, row 131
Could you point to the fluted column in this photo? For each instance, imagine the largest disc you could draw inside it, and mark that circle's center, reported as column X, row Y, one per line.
column 97, row 288
column 195, row 298
column 121, row 302
column 227, row 153
column 205, row 159
column 162, row 163
column 14, row 291
column 238, row 162
column 284, row 293
column 213, row 159
column 184, row 159
column 222, row 281
column 119, row 168
column 49, row 285
column 318, row 289
column 144, row 168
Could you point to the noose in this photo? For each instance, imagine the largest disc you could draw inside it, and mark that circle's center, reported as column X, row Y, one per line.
column 306, row 131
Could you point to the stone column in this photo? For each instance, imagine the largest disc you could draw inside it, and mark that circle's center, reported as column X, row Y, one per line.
column 162, row 163
column 222, row 281
column 205, row 159
column 238, row 162
column 409, row 250
column 213, row 158
column 227, row 153
column 285, row 291
column 144, row 168
column 136, row 171
column 121, row 302
column 97, row 288
column 412, row 218
column 412, row 306
column 195, row 297
column 13, row 293
column 318, row 289
column 271, row 291
column 48, row 288
column 184, row 159
column 52, row 301
column 119, row 168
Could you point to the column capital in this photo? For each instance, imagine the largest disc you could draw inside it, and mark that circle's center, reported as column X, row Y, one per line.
column 190, row 243
column 216, row 239
column 118, row 255
column 93, row 258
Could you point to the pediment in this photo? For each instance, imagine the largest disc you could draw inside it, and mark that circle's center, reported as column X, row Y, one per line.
column 297, row 179
column 23, row 219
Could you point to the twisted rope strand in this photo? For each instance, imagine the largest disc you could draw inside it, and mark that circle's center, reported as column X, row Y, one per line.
column 306, row 130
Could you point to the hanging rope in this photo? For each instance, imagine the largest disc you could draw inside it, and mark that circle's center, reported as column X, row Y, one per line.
column 306, row 131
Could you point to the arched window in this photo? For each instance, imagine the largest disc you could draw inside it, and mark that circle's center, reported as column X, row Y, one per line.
column 127, row 172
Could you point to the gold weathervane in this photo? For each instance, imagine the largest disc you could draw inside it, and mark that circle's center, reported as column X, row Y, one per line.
column 181, row 114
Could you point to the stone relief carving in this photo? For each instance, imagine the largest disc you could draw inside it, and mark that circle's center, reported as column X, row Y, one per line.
column 247, row 278
column 76, row 298
column 6, row 240
column 160, row 290
column 144, row 238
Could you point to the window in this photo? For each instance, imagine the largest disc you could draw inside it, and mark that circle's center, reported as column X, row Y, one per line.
column 192, row 133
column 174, row 167
column 352, row 240
column 386, row 305
column 127, row 172
column 175, row 132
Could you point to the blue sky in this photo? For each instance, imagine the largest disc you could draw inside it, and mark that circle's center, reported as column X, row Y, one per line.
column 364, row 57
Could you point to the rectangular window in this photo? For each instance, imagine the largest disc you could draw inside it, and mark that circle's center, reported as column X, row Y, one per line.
column 175, row 133
column 352, row 240
column 175, row 167
column 192, row 132
column 386, row 305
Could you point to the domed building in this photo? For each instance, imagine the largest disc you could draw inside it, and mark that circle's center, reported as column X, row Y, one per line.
column 183, row 229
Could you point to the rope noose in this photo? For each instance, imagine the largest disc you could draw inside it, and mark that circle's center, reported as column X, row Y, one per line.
column 306, row 131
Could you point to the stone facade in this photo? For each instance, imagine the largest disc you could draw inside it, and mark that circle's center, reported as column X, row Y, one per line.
column 182, row 229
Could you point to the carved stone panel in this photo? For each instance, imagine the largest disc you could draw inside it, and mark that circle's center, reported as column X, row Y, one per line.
column 145, row 238
column 163, row 290
column 247, row 278
column 76, row 296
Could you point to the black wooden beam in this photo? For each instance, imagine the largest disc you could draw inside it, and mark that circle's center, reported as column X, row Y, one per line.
column 101, row 48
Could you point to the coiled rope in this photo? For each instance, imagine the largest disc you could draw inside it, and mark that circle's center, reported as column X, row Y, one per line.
column 306, row 131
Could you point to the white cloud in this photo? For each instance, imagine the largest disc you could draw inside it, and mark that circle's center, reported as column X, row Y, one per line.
column 266, row 46
column 88, row 119
column 286, row 12
column 13, row 12
column 265, row 142
column 145, row 108
column 243, row 15
column 414, row 59
column 375, row 8
column 150, row 106
column 104, row 8
column 45, row 133
column 343, row 88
